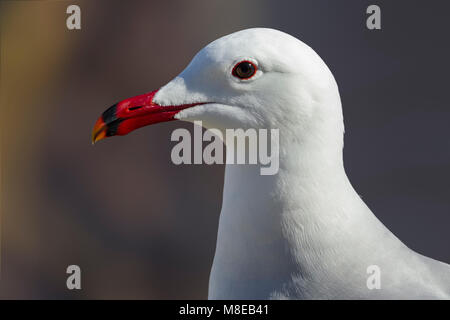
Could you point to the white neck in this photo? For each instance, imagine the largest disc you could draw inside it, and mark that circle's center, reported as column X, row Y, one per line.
column 272, row 227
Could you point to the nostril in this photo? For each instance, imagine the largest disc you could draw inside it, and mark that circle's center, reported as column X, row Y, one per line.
column 134, row 108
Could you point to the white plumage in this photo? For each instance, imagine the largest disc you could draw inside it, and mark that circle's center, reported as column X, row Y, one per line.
column 303, row 233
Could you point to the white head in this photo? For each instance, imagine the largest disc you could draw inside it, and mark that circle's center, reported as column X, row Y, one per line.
column 286, row 85
column 289, row 82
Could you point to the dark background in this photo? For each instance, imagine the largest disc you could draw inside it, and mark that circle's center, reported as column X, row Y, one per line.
column 141, row 227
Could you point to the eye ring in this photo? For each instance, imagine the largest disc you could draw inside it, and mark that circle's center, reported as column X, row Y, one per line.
column 244, row 70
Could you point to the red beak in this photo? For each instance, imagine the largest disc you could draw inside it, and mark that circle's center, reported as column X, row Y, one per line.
column 133, row 113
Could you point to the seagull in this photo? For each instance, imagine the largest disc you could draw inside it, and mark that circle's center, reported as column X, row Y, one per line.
column 304, row 232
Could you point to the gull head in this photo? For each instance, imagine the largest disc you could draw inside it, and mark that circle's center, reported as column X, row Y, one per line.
column 254, row 78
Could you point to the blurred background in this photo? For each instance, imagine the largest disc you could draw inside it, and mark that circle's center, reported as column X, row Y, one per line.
column 141, row 227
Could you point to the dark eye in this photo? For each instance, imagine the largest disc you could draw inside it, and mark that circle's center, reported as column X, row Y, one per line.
column 244, row 70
